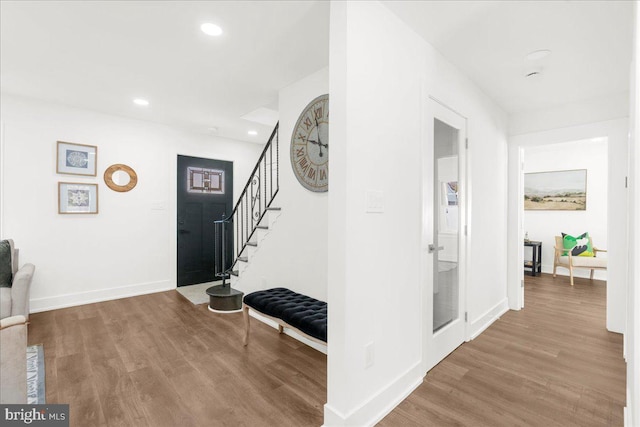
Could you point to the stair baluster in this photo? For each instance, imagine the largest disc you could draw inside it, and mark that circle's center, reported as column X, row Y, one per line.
column 254, row 201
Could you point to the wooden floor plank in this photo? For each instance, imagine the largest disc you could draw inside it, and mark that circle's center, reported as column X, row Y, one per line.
column 158, row 360
column 552, row 363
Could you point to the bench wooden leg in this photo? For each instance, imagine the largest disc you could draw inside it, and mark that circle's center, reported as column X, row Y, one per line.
column 591, row 276
column 280, row 329
column 245, row 314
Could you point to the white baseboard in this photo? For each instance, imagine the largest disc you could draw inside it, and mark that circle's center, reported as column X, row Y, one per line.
column 89, row 297
column 483, row 322
column 369, row 412
column 628, row 414
column 293, row 334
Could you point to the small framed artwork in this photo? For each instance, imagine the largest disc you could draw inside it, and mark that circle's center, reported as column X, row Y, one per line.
column 77, row 198
column 76, row 159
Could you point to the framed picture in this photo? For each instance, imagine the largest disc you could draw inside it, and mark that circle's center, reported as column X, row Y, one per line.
column 556, row 190
column 76, row 159
column 77, row 198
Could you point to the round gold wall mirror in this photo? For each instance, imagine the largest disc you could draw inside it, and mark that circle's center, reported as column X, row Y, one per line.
column 120, row 178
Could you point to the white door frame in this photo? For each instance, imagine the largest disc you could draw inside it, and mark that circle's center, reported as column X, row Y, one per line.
column 434, row 108
column 616, row 132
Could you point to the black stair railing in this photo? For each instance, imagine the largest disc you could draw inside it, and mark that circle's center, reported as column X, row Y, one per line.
column 237, row 229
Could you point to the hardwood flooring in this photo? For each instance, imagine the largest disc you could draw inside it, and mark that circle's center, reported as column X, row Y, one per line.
column 157, row 360
column 551, row 364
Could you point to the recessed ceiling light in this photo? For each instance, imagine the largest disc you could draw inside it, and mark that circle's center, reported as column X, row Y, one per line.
column 211, row 29
column 141, row 102
column 537, row 55
column 252, row 132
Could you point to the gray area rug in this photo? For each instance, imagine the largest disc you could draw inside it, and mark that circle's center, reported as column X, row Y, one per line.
column 197, row 293
column 35, row 374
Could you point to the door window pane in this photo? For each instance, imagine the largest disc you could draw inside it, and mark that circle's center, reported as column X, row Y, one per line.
column 446, row 225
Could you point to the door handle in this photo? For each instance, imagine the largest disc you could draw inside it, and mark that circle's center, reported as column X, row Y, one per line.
column 181, row 231
column 433, row 248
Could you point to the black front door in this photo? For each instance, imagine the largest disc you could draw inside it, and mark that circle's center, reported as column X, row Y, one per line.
column 205, row 194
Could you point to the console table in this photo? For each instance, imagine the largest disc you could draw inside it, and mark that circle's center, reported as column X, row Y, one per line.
column 536, row 263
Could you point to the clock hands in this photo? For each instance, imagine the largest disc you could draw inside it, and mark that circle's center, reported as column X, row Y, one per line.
column 318, row 142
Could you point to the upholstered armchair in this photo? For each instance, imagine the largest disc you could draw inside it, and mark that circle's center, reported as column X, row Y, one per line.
column 563, row 258
column 14, row 301
column 13, row 360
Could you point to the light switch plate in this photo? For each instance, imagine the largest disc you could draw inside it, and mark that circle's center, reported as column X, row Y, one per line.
column 375, row 201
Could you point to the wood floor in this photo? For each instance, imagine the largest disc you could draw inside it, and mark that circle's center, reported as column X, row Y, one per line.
column 157, row 360
column 551, row 364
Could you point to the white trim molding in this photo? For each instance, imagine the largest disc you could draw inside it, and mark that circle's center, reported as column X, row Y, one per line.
column 478, row 326
column 89, row 297
column 380, row 404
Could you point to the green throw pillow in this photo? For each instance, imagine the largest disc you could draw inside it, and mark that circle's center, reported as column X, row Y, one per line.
column 6, row 275
column 580, row 246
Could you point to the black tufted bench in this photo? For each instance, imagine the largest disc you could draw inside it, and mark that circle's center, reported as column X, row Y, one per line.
column 301, row 313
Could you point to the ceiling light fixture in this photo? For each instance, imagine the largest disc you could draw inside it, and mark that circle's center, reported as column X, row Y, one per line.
column 211, row 29
column 252, row 132
column 141, row 102
column 537, row 55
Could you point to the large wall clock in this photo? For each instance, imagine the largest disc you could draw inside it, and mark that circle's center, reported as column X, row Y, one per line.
column 310, row 145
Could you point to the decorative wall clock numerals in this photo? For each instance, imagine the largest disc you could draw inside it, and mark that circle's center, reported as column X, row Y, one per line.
column 310, row 146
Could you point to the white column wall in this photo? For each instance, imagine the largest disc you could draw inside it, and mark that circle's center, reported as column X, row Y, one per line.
column 632, row 334
column 380, row 82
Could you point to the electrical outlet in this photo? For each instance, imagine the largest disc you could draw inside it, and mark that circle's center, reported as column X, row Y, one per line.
column 369, row 355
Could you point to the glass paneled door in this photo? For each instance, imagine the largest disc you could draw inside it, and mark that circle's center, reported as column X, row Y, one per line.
column 445, row 187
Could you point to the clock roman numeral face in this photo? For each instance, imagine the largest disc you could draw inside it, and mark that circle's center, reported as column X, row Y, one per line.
column 310, row 146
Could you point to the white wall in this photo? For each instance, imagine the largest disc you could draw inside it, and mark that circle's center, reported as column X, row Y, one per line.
column 616, row 132
column 294, row 253
column 544, row 225
column 380, row 82
column 632, row 334
column 128, row 248
column 600, row 109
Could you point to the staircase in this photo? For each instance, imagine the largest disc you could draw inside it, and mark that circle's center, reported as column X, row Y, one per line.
column 238, row 235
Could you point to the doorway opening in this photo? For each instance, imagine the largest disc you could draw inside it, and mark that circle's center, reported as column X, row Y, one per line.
column 565, row 191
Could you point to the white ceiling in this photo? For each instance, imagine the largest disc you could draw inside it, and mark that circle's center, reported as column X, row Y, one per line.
column 591, row 44
column 100, row 55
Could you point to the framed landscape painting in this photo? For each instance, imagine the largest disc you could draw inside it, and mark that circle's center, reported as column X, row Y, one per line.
column 76, row 159
column 556, row 190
